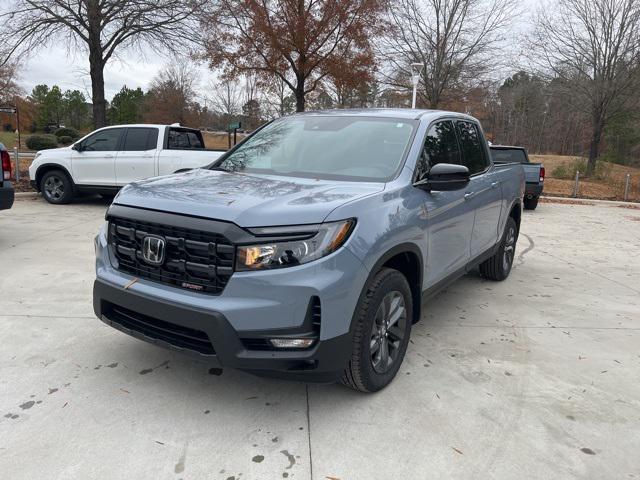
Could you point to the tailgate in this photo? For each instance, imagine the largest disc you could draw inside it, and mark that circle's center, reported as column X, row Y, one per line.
column 532, row 172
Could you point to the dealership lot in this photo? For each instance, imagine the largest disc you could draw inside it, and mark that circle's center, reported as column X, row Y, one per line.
column 534, row 377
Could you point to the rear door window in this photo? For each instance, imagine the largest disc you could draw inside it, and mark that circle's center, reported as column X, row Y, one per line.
column 140, row 139
column 194, row 141
column 471, row 145
column 184, row 139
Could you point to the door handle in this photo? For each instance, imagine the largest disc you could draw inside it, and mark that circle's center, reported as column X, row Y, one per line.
column 468, row 195
column 495, row 184
column 108, row 156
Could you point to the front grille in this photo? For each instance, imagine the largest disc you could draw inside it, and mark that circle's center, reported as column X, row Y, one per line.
column 194, row 260
column 175, row 335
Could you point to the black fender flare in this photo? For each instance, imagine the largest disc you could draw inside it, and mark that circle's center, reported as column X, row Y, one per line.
column 416, row 289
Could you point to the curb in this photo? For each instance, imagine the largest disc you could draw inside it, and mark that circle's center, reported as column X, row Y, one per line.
column 591, row 200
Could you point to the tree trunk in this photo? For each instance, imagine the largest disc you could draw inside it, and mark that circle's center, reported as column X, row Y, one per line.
column 594, row 147
column 97, row 95
column 300, row 100
column 96, row 64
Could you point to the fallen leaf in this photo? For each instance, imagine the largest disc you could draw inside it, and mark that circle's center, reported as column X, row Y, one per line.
column 457, row 451
column 125, row 391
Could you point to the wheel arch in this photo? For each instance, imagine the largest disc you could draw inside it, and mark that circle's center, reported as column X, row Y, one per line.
column 516, row 213
column 407, row 259
column 47, row 167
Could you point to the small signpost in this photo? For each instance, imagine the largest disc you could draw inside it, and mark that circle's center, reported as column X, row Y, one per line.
column 13, row 110
column 234, row 126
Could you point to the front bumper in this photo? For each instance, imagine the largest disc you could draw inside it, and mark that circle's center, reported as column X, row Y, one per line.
column 7, row 196
column 253, row 306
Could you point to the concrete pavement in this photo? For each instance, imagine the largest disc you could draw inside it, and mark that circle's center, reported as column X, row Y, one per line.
column 534, row 377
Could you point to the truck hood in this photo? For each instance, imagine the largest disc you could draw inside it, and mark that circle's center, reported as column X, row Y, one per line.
column 54, row 151
column 248, row 200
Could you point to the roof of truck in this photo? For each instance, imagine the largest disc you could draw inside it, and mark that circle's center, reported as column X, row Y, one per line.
column 147, row 125
column 407, row 113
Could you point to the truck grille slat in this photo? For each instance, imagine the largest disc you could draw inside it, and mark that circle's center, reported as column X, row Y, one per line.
column 194, row 260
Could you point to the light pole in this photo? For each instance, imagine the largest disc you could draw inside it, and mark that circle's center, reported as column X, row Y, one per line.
column 416, row 69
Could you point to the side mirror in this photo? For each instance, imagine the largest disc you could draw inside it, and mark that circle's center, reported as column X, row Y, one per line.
column 77, row 147
column 444, row 177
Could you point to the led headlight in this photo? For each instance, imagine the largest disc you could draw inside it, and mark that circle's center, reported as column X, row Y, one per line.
column 316, row 242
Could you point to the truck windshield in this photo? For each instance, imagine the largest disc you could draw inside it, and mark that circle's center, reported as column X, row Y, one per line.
column 331, row 147
column 508, row 155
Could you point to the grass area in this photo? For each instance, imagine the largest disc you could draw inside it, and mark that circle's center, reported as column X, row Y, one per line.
column 608, row 183
column 218, row 141
column 8, row 139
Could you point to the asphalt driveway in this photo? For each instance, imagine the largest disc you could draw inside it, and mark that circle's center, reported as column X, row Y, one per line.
column 534, row 377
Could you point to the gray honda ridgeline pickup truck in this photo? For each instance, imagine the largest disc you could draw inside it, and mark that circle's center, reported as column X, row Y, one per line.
column 307, row 250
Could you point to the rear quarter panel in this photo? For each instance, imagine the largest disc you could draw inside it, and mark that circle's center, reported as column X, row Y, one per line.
column 512, row 178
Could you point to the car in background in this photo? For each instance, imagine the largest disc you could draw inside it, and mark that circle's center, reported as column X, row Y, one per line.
column 109, row 158
column 534, row 172
column 6, row 188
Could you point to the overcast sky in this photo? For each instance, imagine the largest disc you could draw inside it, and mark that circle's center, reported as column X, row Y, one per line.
column 54, row 65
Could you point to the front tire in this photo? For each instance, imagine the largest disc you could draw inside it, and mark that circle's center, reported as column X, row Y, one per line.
column 499, row 266
column 56, row 187
column 382, row 330
column 530, row 203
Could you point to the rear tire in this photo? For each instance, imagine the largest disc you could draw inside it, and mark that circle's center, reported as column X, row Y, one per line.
column 499, row 266
column 531, row 203
column 382, row 330
column 56, row 187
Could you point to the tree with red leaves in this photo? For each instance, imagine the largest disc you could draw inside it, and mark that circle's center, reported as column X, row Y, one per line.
column 301, row 42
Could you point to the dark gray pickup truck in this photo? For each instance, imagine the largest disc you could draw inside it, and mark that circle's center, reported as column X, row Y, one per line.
column 534, row 172
column 6, row 189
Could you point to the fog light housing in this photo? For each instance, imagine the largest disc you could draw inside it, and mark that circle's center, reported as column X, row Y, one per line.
column 292, row 342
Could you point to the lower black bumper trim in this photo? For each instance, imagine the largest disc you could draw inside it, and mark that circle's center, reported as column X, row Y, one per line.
column 324, row 362
column 533, row 189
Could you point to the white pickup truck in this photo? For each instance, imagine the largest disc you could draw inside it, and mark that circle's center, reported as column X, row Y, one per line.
column 109, row 158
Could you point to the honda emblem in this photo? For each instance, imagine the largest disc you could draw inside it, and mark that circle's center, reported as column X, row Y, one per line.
column 153, row 250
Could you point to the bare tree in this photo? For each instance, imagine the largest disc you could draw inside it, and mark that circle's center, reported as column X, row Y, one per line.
column 171, row 96
column 226, row 99
column 298, row 41
column 454, row 40
column 592, row 47
column 99, row 27
column 9, row 88
column 277, row 97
